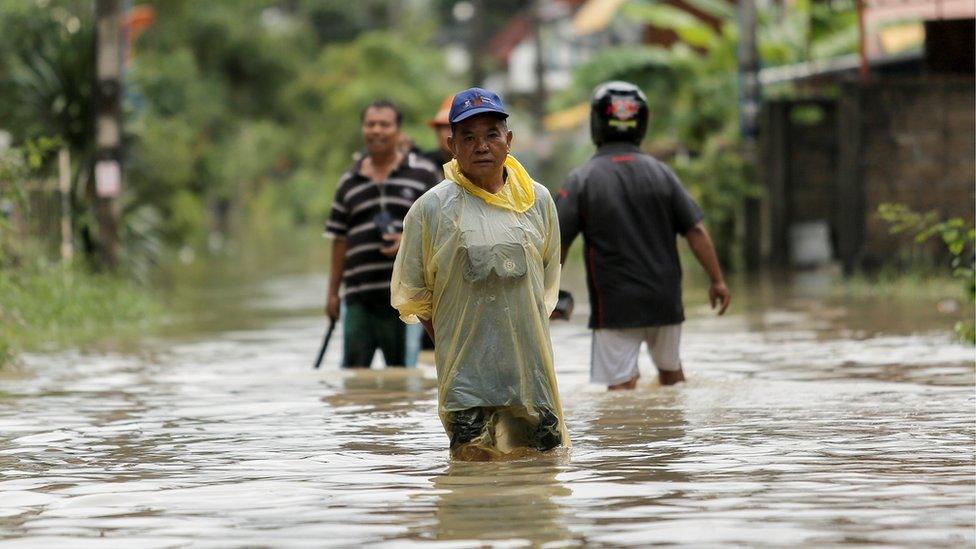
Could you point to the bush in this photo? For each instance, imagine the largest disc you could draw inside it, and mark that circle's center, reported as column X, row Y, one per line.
column 46, row 306
column 959, row 239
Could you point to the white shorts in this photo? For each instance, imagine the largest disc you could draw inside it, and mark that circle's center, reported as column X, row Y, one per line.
column 614, row 352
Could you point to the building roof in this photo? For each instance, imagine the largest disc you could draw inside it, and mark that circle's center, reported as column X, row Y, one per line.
column 827, row 69
column 879, row 11
column 518, row 28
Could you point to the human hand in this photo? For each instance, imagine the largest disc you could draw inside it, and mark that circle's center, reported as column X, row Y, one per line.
column 718, row 293
column 332, row 306
column 394, row 246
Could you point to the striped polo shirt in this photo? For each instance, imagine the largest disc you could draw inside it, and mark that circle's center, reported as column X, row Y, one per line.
column 367, row 273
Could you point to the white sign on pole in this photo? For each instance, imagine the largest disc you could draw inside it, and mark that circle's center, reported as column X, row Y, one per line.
column 108, row 179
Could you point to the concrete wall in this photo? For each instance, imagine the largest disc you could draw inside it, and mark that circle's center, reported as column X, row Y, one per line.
column 918, row 147
column 909, row 140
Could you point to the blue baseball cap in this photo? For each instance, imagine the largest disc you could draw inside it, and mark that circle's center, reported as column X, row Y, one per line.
column 473, row 101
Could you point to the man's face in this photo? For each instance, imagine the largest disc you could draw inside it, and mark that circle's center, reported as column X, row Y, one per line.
column 443, row 133
column 480, row 145
column 380, row 131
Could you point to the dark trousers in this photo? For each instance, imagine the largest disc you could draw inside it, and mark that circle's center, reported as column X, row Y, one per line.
column 370, row 327
column 467, row 425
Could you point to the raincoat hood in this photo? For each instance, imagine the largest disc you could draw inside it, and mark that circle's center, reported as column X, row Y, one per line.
column 517, row 194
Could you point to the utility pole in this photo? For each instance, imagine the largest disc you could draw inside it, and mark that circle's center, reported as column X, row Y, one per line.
column 64, row 188
column 476, row 24
column 862, row 52
column 750, row 101
column 540, row 66
column 108, row 139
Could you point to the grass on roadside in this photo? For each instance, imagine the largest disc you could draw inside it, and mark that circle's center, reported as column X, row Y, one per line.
column 51, row 307
column 920, row 285
column 951, row 295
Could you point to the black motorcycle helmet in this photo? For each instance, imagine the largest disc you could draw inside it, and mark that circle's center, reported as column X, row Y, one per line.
column 618, row 112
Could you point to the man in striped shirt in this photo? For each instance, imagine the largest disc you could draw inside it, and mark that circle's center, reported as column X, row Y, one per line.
column 367, row 214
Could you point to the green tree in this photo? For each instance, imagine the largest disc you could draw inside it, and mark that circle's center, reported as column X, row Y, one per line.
column 47, row 74
column 234, row 110
column 249, row 114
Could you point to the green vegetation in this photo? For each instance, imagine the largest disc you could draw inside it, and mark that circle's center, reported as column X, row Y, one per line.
column 918, row 283
column 237, row 113
column 15, row 165
column 240, row 117
column 246, row 114
column 45, row 305
column 959, row 240
column 48, row 306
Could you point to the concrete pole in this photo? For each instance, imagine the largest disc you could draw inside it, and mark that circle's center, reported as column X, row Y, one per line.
column 748, row 54
column 108, row 139
column 862, row 37
column 750, row 101
column 64, row 187
column 540, row 67
column 475, row 42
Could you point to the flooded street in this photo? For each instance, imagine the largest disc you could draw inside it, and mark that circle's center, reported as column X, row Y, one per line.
column 804, row 421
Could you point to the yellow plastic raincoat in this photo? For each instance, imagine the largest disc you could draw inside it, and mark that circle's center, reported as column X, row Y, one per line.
column 485, row 268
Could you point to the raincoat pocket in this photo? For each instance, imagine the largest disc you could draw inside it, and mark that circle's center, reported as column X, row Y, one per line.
column 506, row 261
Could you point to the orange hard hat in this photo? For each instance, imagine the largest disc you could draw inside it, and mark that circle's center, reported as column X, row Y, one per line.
column 441, row 118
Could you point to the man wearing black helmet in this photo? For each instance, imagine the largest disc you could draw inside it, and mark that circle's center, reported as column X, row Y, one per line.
column 630, row 207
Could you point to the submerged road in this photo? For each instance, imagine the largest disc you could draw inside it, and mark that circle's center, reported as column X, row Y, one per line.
column 804, row 422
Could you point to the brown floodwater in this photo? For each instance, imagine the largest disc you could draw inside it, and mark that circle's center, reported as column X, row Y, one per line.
column 807, row 420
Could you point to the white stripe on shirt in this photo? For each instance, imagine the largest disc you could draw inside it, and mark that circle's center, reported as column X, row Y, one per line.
column 362, row 227
column 416, row 161
column 335, row 226
column 368, row 286
column 357, row 189
column 363, row 248
column 369, row 267
column 365, row 204
column 370, row 225
column 408, row 183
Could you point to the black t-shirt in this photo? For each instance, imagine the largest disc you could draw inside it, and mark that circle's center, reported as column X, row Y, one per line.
column 367, row 273
column 630, row 208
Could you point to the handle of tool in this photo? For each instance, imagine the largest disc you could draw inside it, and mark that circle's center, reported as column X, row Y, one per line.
column 325, row 344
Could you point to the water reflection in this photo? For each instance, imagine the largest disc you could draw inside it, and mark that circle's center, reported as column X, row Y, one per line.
column 627, row 476
column 514, row 500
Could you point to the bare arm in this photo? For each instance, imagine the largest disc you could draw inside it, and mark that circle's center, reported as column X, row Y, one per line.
column 701, row 245
column 336, row 268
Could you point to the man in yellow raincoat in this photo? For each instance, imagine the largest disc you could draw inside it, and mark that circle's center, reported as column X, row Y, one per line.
column 479, row 266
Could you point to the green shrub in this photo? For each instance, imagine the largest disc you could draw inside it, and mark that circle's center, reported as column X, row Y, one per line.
column 959, row 239
column 47, row 306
